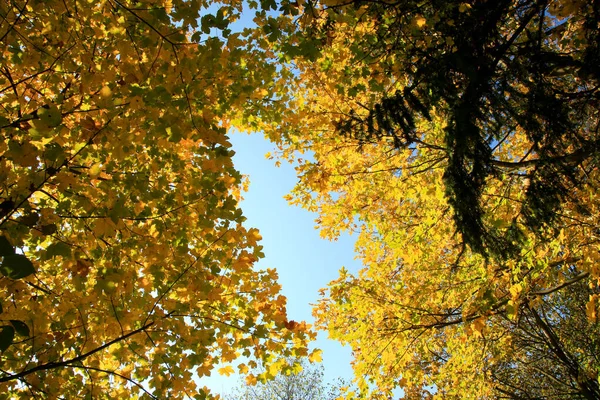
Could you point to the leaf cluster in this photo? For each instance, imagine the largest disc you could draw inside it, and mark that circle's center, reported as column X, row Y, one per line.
column 127, row 270
column 475, row 202
column 494, row 71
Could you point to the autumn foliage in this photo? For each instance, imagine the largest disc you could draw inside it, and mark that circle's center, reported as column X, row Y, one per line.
column 126, row 267
column 458, row 140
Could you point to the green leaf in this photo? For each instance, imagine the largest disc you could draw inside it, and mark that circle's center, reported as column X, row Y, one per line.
column 20, row 327
column 207, row 22
column 5, row 247
column 160, row 14
column 7, row 334
column 118, row 210
column 16, row 266
column 177, row 37
column 58, row 249
column 49, row 116
column 175, row 133
column 55, row 153
column 268, row 5
column 196, row 37
column 261, row 331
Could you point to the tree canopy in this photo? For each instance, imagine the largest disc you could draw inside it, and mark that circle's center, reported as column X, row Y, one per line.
column 493, row 71
column 126, row 267
column 459, row 140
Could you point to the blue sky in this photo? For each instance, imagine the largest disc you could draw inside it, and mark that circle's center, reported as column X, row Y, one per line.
column 305, row 262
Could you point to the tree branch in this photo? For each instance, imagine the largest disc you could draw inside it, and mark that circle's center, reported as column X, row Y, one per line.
column 577, row 278
column 52, row 365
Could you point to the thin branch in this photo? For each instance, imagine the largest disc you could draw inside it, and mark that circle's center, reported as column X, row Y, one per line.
column 21, row 12
column 55, row 171
column 119, row 375
column 576, row 279
column 53, row 365
column 185, row 271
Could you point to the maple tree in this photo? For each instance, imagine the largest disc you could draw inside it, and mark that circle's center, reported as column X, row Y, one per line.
column 474, row 194
column 126, row 267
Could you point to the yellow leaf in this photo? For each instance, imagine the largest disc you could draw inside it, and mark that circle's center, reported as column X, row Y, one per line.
column 203, row 370
column 316, row 356
column 228, row 370
column 255, row 234
column 105, row 92
column 95, row 170
column 464, row 7
column 273, row 369
column 251, row 380
column 478, row 326
column 590, row 308
column 243, row 368
column 104, row 227
column 515, row 290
